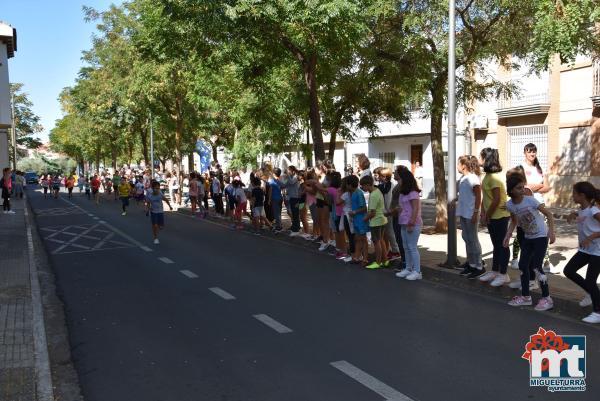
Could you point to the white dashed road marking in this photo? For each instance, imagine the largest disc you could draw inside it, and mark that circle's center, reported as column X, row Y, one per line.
column 222, row 293
column 166, row 260
column 145, row 248
column 188, row 274
column 274, row 324
column 370, row 382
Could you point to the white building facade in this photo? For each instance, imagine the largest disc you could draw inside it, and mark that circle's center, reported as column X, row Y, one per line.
column 8, row 46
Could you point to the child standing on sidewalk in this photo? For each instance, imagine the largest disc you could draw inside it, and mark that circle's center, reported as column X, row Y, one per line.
column 361, row 228
column 588, row 224
column 528, row 213
column 377, row 221
column 469, row 202
column 154, row 207
column 494, row 215
column 410, row 223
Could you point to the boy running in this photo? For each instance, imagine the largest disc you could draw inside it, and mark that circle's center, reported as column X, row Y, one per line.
column 123, row 190
column 154, row 207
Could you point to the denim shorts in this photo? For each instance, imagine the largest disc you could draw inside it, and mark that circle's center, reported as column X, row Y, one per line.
column 157, row 219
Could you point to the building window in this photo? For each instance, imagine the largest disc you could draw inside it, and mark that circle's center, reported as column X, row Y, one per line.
column 387, row 159
column 518, row 137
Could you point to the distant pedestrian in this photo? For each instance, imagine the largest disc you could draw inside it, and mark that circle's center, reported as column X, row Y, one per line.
column 588, row 224
column 124, row 190
column 6, row 186
column 81, row 184
column 70, row 184
column 45, row 182
column 55, row 186
column 95, row 183
column 154, row 208
column 19, row 185
column 86, row 186
column 419, row 174
column 361, row 227
column 528, row 213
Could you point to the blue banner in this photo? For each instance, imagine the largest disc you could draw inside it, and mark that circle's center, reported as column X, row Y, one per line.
column 204, row 150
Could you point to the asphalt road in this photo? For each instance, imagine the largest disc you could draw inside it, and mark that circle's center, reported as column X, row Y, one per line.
column 301, row 326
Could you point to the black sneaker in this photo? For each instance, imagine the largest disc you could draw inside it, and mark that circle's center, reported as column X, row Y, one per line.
column 466, row 269
column 476, row 273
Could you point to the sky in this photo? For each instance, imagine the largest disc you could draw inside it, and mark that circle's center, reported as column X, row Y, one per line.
column 51, row 34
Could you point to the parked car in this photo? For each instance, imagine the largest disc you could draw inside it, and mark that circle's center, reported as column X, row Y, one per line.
column 31, row 177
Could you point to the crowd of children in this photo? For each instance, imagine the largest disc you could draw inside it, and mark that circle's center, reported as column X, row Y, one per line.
column 383, row 207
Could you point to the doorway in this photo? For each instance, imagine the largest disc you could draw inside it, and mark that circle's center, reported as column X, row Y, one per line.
column 416, row 155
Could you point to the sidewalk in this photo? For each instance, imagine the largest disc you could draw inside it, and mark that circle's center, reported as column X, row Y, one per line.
column 433, row 250
column 17, row 361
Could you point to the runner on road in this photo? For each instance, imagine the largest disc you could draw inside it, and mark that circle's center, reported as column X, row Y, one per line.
column 124, row 189
column 55, row 186
column 45, row 184
column 96, row 188
column 154, row 207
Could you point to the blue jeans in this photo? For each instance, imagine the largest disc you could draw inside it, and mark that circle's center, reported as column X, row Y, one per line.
column 471, row 238
column 276, row 208
column 409, row 241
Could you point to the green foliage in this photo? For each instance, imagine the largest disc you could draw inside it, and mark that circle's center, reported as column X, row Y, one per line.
column 27, row 123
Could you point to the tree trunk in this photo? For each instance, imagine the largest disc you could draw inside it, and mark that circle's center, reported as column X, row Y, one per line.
column 439, row 170
column 191, row 162
column 310, row 77
column 97, row 159
column 145, row 151
column 214, row 153
column 113, row 155
column 332, row 142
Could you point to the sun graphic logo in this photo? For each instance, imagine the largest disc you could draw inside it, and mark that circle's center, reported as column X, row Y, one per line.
column 556, row 362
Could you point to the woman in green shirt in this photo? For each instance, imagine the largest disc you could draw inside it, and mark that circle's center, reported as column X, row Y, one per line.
column 495, row 216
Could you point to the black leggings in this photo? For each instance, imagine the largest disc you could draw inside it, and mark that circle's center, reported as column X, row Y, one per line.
column 497, row 229
column 532, row 258
column 579, row 260
column 398, row 235
column 350, row 235
column 6, row 197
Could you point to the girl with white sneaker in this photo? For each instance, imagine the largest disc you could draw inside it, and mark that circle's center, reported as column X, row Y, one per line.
column 528, row 213
column 410, row 223
column 588, row 225
column 494, row 215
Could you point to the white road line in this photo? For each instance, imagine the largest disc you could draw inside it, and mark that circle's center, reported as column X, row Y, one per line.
column 115, row 229
column 188, row 274
column 96, row 218
column 274, row 324
column 370, row 382
column 166, row 260
column 222, row 293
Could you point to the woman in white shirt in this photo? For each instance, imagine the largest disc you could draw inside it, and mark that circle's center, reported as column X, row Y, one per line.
column 537, row 183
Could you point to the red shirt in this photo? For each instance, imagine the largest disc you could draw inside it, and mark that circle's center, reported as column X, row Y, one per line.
column 95, row 183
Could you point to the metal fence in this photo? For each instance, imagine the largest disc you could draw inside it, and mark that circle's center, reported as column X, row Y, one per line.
column 518, row 101
column 518, row 137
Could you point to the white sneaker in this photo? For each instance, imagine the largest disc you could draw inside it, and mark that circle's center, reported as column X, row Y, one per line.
column 307, row 237
column 347, row 259
column 545, row 304
column 586, row 301
column 520, row 300
column 489, row 276
column 593, row 317
column 156, row 241
column 414, row 276
column 500, row 280
column 403, row 273
column 323, row 246
column 124, row 213
column 514, row 264
column 11, row 212
column 516, row 284
column 294, row 234
column 533, row 285
column 332, row 242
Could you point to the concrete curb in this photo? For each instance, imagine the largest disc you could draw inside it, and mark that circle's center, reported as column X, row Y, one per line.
column 563, row 302
column 42, row 360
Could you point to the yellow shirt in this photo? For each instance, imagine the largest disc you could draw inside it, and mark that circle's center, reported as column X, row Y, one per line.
column 489, row 182
column 124, row 189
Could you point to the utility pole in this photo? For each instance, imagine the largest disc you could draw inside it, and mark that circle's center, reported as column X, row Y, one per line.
column 151, row 145
column 452, row 260
column 13, row 131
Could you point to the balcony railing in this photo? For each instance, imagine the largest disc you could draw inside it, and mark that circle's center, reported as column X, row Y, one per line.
column 527, row 100
column 538, row 103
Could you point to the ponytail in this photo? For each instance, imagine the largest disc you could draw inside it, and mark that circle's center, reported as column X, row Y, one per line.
column 590, row 192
